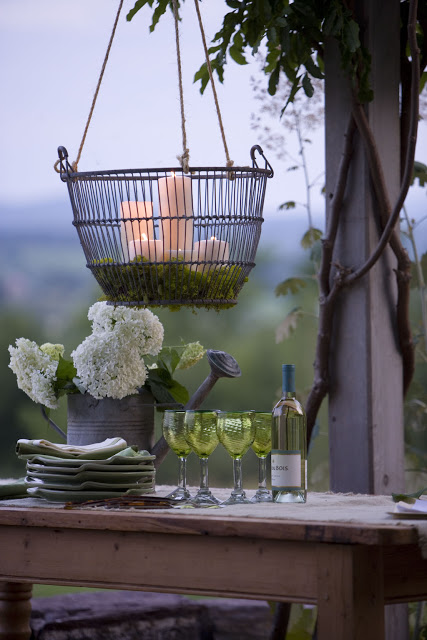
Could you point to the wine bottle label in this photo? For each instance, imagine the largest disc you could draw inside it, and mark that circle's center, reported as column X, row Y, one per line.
column 285, row 470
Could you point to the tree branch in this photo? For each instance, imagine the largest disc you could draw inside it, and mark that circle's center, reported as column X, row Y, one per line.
column 337, row 200
column 389, row 216
column 328, row 295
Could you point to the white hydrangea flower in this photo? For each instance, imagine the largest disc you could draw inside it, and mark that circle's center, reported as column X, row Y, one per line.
column 55, row 351
column 139, row 327
column 109, row 366
column 191, row 355
column 35, row 371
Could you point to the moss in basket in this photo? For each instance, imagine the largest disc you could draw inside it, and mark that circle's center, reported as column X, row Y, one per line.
column 171, row 280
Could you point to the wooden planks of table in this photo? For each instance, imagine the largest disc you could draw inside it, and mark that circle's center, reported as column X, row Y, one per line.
column 350, row 570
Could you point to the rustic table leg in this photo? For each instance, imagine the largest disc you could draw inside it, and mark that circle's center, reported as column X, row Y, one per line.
column 350, row 593
column 15, row 610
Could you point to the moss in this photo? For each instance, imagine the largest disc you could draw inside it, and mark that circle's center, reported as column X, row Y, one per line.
column 148, row 283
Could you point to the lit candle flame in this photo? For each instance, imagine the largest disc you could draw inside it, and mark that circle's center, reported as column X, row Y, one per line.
column 213, row 238
column 144, row 237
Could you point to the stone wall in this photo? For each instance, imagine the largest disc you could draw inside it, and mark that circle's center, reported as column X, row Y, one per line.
column 132, row 615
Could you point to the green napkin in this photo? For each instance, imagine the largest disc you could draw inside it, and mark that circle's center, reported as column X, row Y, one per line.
column 13, row 488
column 26, row 449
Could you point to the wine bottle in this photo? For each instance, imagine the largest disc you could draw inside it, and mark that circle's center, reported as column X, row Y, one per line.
column 289, row 444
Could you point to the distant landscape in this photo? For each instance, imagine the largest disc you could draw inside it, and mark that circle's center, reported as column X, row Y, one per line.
column 45, row 292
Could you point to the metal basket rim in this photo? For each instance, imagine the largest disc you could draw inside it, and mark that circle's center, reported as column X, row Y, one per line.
column 162, row 170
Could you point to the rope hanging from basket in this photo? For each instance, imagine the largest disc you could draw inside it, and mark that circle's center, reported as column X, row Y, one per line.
column 209, row 66
column 183, row 159
column 75, row 164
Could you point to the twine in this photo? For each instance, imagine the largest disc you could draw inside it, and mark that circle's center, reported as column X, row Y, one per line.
column 209, row 66
column 183, row 159
column 74, row 165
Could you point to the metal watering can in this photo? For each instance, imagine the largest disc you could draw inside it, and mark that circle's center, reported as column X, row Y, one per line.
column 91, row 420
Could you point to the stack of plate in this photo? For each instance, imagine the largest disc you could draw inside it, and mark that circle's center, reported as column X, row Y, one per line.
column 76, row 480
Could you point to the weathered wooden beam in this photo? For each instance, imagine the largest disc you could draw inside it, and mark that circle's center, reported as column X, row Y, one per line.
column 366, row 391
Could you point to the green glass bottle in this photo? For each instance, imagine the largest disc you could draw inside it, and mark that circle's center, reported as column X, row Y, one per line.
column 289, row 444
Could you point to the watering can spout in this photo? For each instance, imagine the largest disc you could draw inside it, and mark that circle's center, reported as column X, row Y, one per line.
column 222, row 366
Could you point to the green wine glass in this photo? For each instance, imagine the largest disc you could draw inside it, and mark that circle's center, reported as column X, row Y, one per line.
column 174, row 434
column 262, row 447
column 236, row 432
column 201, row 435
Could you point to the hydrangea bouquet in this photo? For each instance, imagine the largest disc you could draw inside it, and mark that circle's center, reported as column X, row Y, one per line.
column 123, row 354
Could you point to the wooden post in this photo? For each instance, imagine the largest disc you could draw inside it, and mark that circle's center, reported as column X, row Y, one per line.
column 15, row 610
column 366, row 400
column 366, row 397
column 350, row 593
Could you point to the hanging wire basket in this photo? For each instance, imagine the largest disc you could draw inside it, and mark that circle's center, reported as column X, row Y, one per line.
column 161, row 237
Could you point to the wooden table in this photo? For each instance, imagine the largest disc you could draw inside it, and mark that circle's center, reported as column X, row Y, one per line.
column 350, row 570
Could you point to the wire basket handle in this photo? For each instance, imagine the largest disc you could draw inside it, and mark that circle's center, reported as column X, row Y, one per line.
column 63, row 164
column 268, row 166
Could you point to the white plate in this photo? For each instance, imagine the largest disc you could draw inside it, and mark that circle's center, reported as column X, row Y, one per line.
column 89, row 485
column 79, row 496
column 35, row 467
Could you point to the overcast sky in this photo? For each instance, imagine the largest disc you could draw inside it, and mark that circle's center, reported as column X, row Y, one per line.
column 52, row 52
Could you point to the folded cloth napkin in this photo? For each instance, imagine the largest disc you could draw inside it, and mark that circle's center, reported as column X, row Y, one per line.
column 13, row 488
column 129, row 455
column 98, row 451
column 415, row 507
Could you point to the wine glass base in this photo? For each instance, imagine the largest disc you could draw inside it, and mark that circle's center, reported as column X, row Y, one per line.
column 180, row 495
column 204, row 499
column 237, row 498
column 262, row 496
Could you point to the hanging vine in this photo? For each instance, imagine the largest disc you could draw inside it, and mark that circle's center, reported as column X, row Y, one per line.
column 294, row 34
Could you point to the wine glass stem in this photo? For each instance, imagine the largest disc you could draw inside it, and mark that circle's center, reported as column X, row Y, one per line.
column 204, row 476
column 237, row 473
column 182, row 479
column 262, row 472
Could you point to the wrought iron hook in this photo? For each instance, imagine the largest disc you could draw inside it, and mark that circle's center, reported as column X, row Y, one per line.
column 257, row 147
column 64, row 165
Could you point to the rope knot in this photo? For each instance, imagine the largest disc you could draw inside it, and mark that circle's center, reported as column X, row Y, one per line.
column 184, row 160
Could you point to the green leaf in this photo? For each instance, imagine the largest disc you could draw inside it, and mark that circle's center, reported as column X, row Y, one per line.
column 290, row 285
column 179, row 392
column 313, row 69
column 237, row 55
column 138, row 5
column 311, row 236
column 65, row 370
column 290, row 204
column 419, row 173
column 351, row 35
column 289, row 325
column 307, row 86
column 160, row 393
column 409, row 497
column 203, row 75
column 274, row 80
column 169, row 358
column 158, row 12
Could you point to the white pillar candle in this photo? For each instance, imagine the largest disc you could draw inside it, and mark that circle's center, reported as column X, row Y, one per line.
column 141, row 223
column 175, row 198
column 186, row 255
column 210, row 251
column 146, row 248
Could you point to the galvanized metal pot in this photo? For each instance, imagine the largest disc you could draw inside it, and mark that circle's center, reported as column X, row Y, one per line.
column 132, row 418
